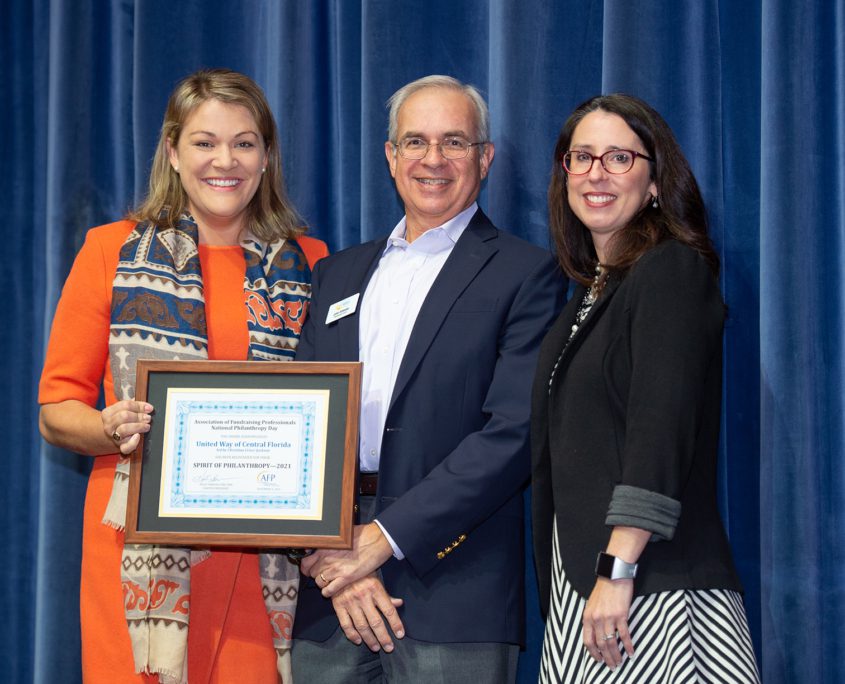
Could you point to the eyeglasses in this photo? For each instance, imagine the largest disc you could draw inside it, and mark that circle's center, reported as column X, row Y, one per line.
column 579, row 162
column 451, row 147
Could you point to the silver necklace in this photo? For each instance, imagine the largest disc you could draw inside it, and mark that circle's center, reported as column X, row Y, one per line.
column 587, row 302
column 589, row 299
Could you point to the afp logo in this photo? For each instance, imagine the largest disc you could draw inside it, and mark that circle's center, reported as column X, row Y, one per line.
column 266, row 478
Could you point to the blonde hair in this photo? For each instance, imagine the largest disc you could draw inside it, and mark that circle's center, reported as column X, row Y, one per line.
column 269, row 215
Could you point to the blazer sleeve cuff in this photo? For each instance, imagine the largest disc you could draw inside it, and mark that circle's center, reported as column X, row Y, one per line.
column 647, row 510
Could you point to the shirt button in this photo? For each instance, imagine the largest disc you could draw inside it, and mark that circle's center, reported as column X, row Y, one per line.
column 372, row 452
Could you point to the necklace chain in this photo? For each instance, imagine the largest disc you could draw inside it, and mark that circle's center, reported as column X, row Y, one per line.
column 587, row 302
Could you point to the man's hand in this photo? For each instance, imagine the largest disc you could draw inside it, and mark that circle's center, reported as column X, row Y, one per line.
column 333, row 569
column 365, row 610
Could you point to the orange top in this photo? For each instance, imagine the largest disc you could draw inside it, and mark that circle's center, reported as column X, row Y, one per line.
column 229, row 638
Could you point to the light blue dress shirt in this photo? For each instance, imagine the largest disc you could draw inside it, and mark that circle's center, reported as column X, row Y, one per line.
column 389, row 309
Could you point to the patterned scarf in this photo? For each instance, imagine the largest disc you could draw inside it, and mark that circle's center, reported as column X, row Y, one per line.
column 158, row 312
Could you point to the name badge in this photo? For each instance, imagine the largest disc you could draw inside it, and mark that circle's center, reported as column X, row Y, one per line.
column 342, row 308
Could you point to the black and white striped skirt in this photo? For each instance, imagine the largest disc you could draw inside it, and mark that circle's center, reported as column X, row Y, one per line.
column 678, row 636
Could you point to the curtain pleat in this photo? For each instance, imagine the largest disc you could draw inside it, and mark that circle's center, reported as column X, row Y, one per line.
column 754, row 91
column 802, row 479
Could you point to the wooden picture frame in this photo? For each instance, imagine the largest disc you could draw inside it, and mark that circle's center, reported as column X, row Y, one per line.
column 246, row 454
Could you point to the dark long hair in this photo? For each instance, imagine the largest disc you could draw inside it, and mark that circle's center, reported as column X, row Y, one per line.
column 681, row 214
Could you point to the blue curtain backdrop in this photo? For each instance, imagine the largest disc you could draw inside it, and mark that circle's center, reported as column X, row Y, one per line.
column 754, row 90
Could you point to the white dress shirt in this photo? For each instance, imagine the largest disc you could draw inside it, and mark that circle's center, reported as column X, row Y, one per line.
column 389, row 309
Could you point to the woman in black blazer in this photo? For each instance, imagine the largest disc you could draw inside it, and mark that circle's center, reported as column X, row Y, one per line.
column 630, row 550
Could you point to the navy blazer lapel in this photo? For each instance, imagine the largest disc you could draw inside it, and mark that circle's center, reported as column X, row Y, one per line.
column 472, row 250
column 359, row 275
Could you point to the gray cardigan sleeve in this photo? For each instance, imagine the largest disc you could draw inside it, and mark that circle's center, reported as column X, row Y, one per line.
column 636, row 507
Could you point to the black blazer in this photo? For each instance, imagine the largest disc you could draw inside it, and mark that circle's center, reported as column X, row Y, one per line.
column 455, row 450
column 636, row 401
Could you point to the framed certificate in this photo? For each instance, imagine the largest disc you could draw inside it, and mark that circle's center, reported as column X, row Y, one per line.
column 245, row 453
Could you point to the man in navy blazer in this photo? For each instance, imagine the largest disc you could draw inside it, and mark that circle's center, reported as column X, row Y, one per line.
column 447, row 315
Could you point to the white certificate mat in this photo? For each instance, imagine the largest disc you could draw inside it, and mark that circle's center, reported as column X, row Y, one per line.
column 238, row 453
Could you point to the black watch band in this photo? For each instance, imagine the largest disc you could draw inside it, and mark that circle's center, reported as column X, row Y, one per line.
column 614, row 568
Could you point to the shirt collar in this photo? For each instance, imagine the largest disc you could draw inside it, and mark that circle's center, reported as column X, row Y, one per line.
column 435, row 239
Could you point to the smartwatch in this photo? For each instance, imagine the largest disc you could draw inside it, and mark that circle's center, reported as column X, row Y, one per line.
column 614, row 568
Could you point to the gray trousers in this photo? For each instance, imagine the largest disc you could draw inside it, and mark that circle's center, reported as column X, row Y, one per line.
column 339, row 661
